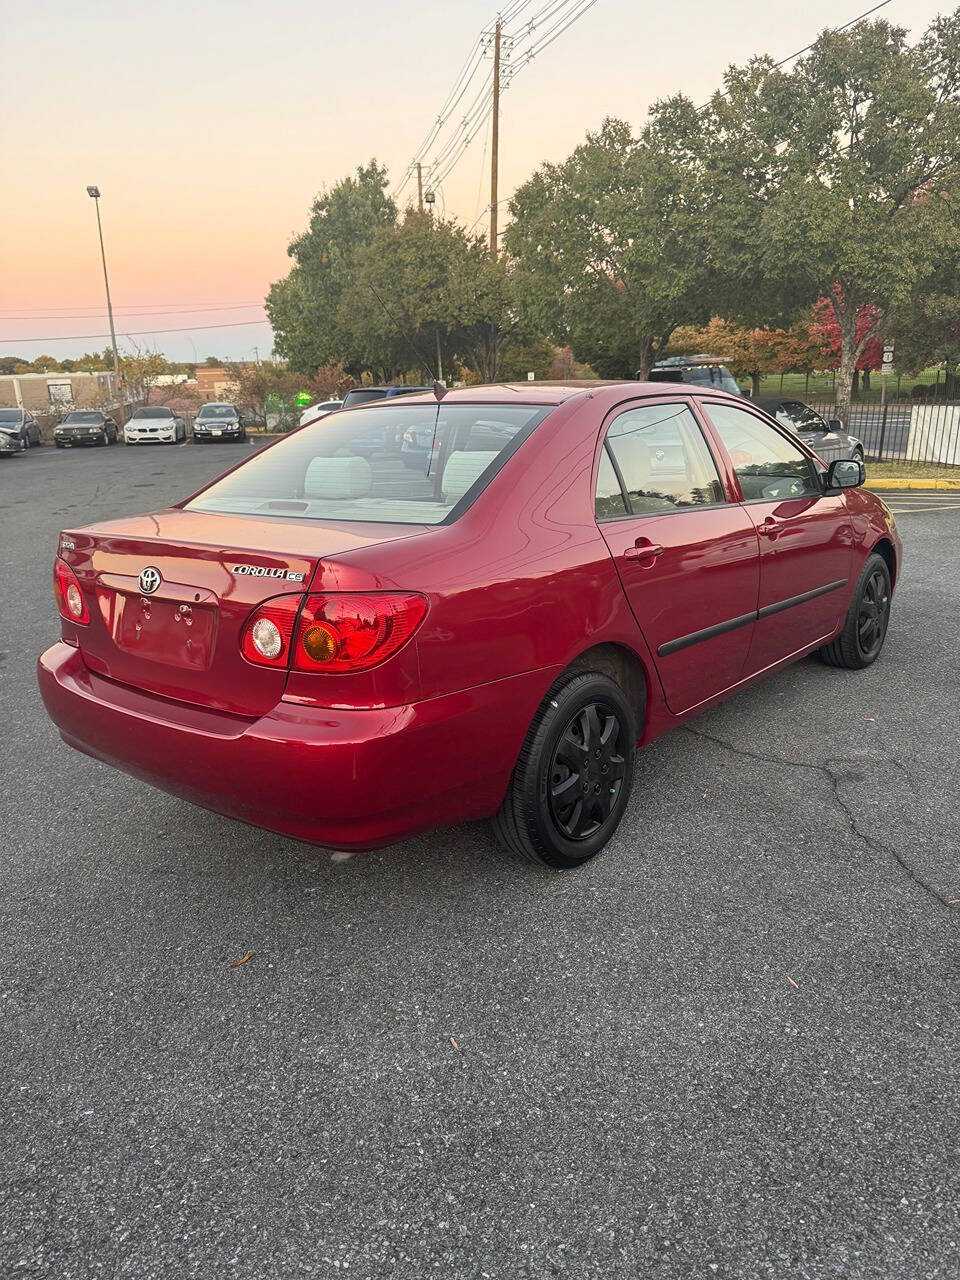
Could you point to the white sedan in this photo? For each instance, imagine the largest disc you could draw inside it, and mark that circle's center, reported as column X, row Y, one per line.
column 317, row 411
column 155, row 424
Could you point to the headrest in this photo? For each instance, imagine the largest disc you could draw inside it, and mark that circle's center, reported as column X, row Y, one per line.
column 463, row 469
column 338, row 478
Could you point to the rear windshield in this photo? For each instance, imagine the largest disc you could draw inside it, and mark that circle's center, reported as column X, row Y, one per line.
column 712, row 375
column 399, row 464
column 217, row 411
column 359, row 396
column 153, row 413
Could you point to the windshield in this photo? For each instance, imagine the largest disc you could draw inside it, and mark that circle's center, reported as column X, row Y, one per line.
column 409, row 464
column 10, row 415
column 153, row 413
column 81, row 417
column 217, row 411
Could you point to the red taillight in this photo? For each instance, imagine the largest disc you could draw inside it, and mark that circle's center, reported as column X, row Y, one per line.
column 336, row 632
column 267, row 632
column 347, row 632
column 66, row 590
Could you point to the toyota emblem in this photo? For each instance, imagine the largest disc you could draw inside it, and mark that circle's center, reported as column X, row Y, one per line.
column 149, row 580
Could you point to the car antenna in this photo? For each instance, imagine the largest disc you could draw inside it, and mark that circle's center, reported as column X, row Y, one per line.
column 407, row 339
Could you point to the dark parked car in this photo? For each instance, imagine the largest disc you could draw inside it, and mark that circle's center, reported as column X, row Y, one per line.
column 346, row 650
column 362, row 395
column 699, row 371
column 218, row 421
column 85, row 426
column 826, row 437
column 20, row 427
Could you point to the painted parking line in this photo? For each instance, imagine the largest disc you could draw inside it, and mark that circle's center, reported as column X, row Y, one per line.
column 940, row 506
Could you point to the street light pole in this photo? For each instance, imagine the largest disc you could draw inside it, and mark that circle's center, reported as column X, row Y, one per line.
column 94, row 194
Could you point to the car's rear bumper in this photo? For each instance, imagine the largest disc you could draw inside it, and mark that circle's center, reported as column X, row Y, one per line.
column 349, row 779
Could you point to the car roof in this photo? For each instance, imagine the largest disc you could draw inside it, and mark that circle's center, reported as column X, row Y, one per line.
column 550, row 394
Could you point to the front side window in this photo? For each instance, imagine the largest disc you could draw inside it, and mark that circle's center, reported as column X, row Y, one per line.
column 663, row 459
column 393, row 463
column 768, row 466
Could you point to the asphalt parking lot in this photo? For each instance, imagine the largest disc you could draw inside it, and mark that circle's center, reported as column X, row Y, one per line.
column 729, row 1047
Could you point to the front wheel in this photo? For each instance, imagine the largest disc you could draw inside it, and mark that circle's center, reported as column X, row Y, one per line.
column 572, row 781
column 865, row 629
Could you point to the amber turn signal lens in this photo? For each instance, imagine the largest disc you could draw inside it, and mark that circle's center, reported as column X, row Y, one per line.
column 319, row 642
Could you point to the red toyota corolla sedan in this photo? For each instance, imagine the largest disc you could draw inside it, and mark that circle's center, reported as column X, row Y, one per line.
column 422, row 611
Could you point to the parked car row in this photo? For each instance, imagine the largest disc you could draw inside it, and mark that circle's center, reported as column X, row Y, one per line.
column 151, row 424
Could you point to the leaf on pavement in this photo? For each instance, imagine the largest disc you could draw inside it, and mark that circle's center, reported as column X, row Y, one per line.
column 795, row 985
column 454, row 1043
column 235, row 964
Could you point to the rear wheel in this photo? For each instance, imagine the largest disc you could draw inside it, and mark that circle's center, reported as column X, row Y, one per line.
column 572, row 781
column 865, row 629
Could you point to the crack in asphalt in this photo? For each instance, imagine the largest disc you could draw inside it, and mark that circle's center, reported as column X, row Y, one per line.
column 835, row 779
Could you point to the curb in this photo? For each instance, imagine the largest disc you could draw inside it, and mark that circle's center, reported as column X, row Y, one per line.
column 889, row 483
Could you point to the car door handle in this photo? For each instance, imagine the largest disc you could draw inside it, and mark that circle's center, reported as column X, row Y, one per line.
column 769, row 527
column 643, row 549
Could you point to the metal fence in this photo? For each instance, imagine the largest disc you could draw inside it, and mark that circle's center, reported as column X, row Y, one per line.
column 922, row 433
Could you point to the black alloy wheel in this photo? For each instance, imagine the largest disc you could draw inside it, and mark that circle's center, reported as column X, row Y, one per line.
column 865, row 627
column 587, row 771
column 873, row 614
column 572, row 780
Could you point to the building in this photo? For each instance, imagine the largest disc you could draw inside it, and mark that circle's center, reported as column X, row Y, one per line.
column 215, row 383
column 44, row 392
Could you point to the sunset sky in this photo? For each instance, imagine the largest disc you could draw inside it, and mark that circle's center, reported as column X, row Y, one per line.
column 210, row 127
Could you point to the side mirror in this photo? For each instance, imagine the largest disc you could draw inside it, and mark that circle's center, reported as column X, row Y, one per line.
column 846, row 473
column 835, row 424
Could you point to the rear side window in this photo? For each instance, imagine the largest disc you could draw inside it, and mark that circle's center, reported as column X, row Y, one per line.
column 393, row 463
column 663, row 459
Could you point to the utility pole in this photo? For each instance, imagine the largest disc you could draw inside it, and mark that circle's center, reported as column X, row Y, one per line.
column 495, row 142
column 419, row 186
column 94, row 194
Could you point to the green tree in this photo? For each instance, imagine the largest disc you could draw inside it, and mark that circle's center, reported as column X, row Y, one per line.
column 873, row 139
column 606, row 247
column 926, row 329
column 45, row 364
column 405, row 305
column 303, row 307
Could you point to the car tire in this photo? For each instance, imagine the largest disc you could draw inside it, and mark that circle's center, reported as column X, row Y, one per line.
column 865, row 628
column 571, row 753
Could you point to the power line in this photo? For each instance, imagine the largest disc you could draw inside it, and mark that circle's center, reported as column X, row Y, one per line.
column 834, row 31
column 132, row 333
column 132, row 315
column 128, row 306
column 558, row 15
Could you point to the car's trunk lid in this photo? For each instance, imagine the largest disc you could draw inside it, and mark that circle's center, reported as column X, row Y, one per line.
column 169, row 593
